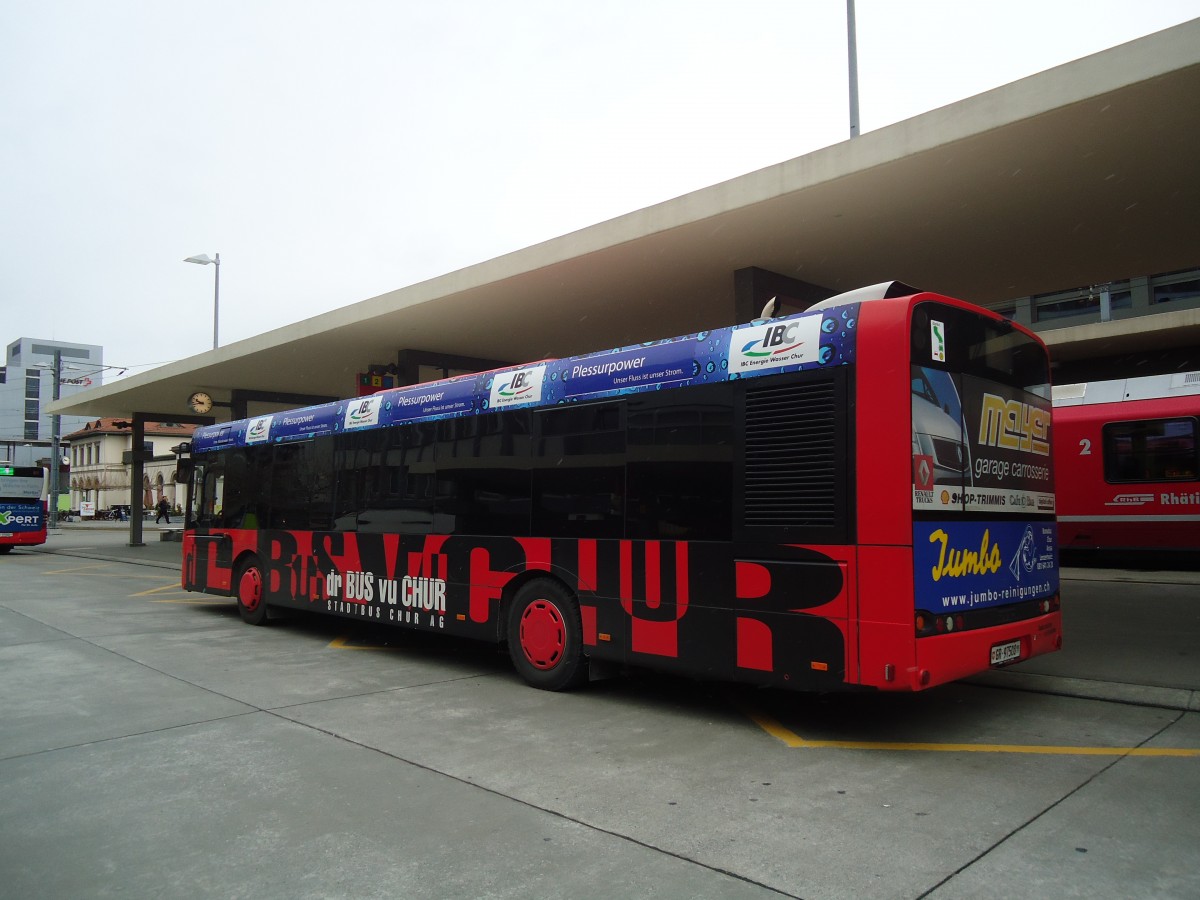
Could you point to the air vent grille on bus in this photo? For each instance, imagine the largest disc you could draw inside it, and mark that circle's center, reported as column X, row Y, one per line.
column 791, row 455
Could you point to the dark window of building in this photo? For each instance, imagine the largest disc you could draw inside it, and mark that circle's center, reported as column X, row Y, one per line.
column 33, row 409
column 33, row 384
column 1153, row 450
column 1178, row 290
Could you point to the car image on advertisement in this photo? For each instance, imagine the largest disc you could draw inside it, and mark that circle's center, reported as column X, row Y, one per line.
column 937, row 426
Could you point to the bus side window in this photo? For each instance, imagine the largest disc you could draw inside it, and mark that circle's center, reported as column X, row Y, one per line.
column 579, row 471
column 681, row 467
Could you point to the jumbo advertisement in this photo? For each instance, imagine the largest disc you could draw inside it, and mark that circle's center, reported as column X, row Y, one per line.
column 962, row 565
column 982, row 477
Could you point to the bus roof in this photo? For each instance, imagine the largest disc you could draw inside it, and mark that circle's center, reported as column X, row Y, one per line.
column 814, row 339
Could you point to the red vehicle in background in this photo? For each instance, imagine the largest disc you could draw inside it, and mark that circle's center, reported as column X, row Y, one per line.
column 22, row 506
column 1127, row 465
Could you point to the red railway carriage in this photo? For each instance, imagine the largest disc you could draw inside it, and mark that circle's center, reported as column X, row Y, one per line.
column 1128, row 464
column 857, row 496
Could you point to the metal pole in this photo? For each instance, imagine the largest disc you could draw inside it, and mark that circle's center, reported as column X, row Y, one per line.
column 55, row 428
column 852, row 53
column 216, row 298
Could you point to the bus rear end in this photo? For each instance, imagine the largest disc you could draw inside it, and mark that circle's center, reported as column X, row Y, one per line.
column 22, row 506
column 958, row 556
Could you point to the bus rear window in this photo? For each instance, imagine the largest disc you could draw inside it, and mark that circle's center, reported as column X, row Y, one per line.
column 1151, row 450
column 961, row 340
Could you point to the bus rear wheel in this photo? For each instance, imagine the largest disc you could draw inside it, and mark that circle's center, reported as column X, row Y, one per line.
column 5, row 548
column 248, row 588
column 545, row 636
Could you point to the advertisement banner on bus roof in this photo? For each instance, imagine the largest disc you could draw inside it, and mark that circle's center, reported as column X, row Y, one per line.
column 433, row 400
column 363, row 413
column 790, row 342
column 517, row 387
column 662, row 365
column 258, row 430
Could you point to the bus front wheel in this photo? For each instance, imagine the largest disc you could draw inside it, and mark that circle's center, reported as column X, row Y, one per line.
column 248, row 588
column 545, row 636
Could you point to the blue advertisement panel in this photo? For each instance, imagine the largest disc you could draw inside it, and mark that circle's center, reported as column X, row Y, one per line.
column 968, row 565
column 301, row 424
column 19, row 517
column 662, row 364
column 435, row 400
column 764, row 347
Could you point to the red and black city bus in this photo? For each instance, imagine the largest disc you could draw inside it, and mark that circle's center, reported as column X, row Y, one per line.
column 22, row 506
column 859, row 495
column 1128, row 454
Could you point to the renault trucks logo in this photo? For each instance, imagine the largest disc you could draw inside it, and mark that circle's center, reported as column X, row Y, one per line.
column 258, row 430
column 521, row 386
column 775, row 344
column 361, row 413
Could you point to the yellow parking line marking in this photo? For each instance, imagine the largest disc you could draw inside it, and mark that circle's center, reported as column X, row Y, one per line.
column 178, row 595
column 171, row 586
column 188, row 601
column 791, row 739
column 94, row 570
column 77, row 569
column 343, row 643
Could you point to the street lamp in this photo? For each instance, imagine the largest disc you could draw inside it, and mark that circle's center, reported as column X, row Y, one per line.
column 55, row 438
column 203, row 260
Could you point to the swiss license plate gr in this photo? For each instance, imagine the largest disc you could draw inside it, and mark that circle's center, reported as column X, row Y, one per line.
column 1005, row 653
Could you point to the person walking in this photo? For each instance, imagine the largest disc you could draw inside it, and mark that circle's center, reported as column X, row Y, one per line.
column 164, row 511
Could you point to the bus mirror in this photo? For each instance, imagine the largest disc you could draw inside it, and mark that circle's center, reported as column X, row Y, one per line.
column 183, row 471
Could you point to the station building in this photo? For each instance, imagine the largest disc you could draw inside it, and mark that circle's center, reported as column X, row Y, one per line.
column 1067, row 200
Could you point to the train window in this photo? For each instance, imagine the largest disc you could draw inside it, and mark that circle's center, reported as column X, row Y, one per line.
column 1151, row 450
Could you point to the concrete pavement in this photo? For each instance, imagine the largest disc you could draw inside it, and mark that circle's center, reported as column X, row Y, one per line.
column 152, row 746
column 1113, row 650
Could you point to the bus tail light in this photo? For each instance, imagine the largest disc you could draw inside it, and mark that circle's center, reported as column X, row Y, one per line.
column 948, row 624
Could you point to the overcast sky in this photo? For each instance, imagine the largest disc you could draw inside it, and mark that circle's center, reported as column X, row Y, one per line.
column 331, row 152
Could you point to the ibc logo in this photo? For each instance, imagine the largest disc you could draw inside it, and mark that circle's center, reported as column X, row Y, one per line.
column 774, row 341
column 775, row 344
column 521, row 386
column 363, row 412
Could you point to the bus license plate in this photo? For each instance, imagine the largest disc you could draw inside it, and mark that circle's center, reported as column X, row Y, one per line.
column 1004, row 653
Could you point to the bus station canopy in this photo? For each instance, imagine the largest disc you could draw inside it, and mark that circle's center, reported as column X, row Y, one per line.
column 1078, row 175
